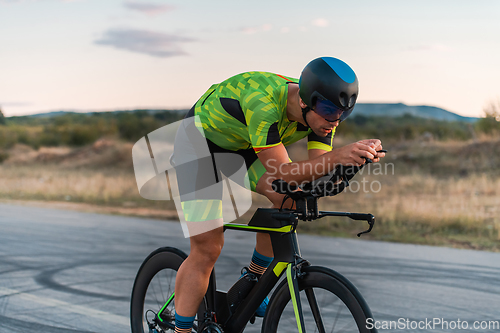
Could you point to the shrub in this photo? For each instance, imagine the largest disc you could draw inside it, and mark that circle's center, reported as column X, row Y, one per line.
column 2, row 117
column 406, row 127
column 490, row 124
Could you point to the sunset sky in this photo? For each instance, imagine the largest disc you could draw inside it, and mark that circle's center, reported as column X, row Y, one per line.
column 97, row 55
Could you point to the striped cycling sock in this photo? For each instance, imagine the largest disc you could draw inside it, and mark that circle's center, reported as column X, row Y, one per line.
column 183, row 324
column 259, row 263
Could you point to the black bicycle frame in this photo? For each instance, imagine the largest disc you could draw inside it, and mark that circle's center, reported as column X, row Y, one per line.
column 286, row 251
column 280, row 225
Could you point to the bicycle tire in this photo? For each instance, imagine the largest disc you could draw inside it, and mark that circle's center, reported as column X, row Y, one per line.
column 341, row 306
column 153, row 285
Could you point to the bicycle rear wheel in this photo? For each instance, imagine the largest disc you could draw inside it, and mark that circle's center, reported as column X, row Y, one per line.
column 153, row 300
column 330, row 303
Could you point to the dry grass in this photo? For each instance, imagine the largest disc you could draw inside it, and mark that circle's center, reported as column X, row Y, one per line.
column 440, row 193
column 100, row 174
column 428, row 210
column 55, row 183
column 428, row 199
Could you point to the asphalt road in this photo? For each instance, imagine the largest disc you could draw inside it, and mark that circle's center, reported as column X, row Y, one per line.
column 65, row 271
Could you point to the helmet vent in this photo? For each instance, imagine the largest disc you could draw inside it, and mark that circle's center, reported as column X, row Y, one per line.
column 352, row 100
column 343, row 99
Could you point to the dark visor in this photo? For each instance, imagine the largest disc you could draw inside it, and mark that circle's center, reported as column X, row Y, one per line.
column 329, row 111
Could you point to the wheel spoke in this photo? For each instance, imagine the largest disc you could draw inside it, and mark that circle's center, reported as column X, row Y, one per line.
column 337, row 317
column 328, row 306
column 153, row 291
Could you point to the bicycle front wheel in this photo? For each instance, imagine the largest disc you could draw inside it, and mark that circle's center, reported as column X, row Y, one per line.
column 330, row 303
column 152, row 306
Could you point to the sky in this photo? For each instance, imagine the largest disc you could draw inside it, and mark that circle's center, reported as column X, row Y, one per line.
column 100, row 55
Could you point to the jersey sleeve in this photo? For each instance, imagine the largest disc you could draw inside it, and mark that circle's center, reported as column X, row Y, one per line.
column 262, row 118
column 315, row 141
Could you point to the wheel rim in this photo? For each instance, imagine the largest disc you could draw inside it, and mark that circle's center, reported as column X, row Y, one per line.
column 160, row 290
column 334, row 315
column 153, row 287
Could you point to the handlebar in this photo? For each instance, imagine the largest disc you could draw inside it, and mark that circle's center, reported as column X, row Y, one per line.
column 354, row 216
column 307, row 195
column 293, row 216
column 329, row 185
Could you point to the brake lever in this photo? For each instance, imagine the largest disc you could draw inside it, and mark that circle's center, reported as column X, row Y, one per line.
column 371, row 222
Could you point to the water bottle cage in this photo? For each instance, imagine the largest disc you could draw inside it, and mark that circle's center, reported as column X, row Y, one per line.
column 237, row 293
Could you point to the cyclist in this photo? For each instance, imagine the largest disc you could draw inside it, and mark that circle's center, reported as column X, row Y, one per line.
column 255, row 115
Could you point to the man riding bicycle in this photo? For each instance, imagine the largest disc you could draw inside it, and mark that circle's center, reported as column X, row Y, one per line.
column 255, row 115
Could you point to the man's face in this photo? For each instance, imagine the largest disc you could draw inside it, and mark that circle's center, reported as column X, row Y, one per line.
column 328, row 110
column 320, row 125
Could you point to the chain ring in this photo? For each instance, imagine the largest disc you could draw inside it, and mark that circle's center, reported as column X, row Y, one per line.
column 211, row 327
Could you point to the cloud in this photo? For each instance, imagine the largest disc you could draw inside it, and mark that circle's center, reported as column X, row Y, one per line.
column 320, row 22
column 249, row 30
column 15, row 104
column 156, row 44
column 267, row 27
column 21, row 1
column 256, row 29
column 148, row 8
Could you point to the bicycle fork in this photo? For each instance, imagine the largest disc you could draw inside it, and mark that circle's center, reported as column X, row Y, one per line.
column 293, row 285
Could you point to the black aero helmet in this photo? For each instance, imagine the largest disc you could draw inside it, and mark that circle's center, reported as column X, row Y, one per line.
column 333, row 84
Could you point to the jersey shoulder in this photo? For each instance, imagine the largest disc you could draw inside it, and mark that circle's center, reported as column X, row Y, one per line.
column 242, row 85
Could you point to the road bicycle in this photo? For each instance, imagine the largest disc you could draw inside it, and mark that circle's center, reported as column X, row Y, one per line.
column 306, row 298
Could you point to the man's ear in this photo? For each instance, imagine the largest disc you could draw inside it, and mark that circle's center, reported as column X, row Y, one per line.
column 301, row 103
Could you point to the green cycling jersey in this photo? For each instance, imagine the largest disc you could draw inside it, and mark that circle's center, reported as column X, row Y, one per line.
column 248, row 111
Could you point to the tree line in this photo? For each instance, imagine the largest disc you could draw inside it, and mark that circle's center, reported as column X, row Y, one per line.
column 79, row 129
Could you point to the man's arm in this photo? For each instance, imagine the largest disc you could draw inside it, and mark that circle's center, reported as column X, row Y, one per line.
column 278, row 165
column 313, row 153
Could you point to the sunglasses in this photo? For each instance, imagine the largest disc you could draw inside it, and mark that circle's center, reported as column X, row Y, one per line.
column 330, row 111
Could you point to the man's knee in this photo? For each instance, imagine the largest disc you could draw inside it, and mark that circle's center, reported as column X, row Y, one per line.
column 275, row 198
column 207, row 246
column 264, row 187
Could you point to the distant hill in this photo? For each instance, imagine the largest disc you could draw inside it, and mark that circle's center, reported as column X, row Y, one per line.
column 61, row 113
column 400, row 109
column 49, row 114
column 365, row 109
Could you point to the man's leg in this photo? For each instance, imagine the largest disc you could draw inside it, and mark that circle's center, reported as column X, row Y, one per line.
column 263, row 253
column 200, row 192
column 193, row 276
column 263, row 187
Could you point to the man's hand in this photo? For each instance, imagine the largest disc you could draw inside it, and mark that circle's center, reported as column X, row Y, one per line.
column 377, row 145
column 354, row 153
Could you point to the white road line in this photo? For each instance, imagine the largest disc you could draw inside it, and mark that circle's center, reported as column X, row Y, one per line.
column 65, row 306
